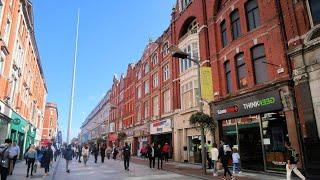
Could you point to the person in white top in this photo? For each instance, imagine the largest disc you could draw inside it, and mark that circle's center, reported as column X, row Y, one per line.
column 214, row 157
column 85, row 154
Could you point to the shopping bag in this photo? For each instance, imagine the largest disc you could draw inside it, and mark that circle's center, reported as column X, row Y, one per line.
column 35, row 166
column 219, row 165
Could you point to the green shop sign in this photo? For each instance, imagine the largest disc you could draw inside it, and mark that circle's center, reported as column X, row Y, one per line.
column 18, row 123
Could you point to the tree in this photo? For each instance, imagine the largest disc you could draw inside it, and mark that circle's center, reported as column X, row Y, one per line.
column 203, row 120
column 121, row 136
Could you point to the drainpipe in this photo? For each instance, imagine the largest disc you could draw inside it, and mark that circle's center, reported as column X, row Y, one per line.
column 284, row 38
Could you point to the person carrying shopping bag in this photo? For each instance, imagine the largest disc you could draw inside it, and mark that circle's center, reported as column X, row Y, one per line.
column 31, row 156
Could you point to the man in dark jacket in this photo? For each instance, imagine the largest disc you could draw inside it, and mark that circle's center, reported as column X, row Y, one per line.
column 4, row 159
column 47, row 159
column 95, row 152
column 158, row 155
column 68, row 157
column 292, row 160
column 126, row 156
column 103, row 152
column 151, row 155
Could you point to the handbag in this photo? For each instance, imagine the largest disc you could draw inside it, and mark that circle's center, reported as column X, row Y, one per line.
column 4, row 162
column 35, row 166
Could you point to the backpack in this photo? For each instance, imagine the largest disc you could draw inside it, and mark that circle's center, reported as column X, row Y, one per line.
column 294, row 155
column 4, row 161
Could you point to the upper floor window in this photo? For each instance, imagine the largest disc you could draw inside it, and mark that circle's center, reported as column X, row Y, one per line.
column 154, row 59
column 146, row 68
column 7, row 31
column 224, row 38
column 315, row 11
column 155, row 105
column 227, row 71
column 166, row 72
column 1, row 64
column 165, row 49
column 252, row 12
column 155, row 80
column 146, row 87
column 260, row 67
column 187, row 95
column 139, row 74
column 146, row 109
column 235, row 24
column 184, row 4
column 193, row 50
column 166, row 101
column 139, row 91
column 241, row 71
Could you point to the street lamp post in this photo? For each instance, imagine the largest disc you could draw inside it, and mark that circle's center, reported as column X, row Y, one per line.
column 178, row 53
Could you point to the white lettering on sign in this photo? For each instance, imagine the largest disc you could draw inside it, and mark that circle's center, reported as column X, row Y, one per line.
column 251, row 105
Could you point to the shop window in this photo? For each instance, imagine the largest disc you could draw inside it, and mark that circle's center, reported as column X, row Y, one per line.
column 315, row 11
column 252, row 12
column 235, row 24
column 227, row 71
column 224, row 38
column 260, row 68
column 241, row 71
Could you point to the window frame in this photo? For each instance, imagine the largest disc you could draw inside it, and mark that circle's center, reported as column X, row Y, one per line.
column 227, row 75
column 238, row 66
column 224, row 33
column 166, row 72
column 259, row 58
column 251, row 12
column 310, row 14
column 235, row 24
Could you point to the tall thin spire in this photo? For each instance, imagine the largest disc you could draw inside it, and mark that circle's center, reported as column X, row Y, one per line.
column 73, row 79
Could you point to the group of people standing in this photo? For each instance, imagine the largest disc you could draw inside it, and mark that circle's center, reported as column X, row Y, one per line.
column 156, row 152
column 10, row 152
column 226, row 153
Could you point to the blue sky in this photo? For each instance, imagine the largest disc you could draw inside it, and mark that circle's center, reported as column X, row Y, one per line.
column 112, row 34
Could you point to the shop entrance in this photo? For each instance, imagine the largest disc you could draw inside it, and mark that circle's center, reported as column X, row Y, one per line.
column 250, row 146
column 162, row 139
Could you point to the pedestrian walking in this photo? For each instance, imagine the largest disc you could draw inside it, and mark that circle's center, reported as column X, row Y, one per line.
column 115, row 152
column 31, row 156
column 14, row 152
column 209, row 147
column 103, row 152
column 79, row 153
column 292, row 160
column 126, row 152
column 25, row 154
column 108, row 152
column 95, row 152
column 85, row 154
column 159, row 156
column 166, row 150
column 224, row 156
column 68, row 157
column 214, row 158
column 151, row 156
column 47, row 159
column 4, row 159
column 235, row 161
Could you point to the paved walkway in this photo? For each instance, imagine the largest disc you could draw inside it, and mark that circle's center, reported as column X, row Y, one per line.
column 196, row 171
column 20, row 172
column 113, row 170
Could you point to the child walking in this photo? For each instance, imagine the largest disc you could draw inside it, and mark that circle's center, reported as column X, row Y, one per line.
column 236, row 161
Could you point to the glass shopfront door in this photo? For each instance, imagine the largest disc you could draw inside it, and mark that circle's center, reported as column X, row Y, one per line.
column 259, row 139
column 250, row 144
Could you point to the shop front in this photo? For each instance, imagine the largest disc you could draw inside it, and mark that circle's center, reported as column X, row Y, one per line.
column 18, row 128
column 141, row 139
column 112, row 138
column 5, row 114
column 161, row 132
column 257, row 126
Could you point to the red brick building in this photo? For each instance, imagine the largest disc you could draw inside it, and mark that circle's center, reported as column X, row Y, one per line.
column 50, row 123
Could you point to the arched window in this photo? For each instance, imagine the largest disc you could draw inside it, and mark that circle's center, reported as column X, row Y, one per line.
column 227, row 71
column 241, row 71
column 260, row 67
column 224, row 38
column 252, row 12
column 235, row 24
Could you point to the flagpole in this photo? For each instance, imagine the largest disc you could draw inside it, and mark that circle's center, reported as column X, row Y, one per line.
column 73, row 80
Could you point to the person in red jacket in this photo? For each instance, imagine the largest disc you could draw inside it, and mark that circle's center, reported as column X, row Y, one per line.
column 165, row 151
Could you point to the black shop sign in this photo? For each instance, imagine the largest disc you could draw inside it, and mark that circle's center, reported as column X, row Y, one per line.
column 260, row 103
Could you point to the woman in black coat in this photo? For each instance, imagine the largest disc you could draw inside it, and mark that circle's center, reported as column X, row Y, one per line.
column 103, row 152
column 95, row 152
column 47, row 159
